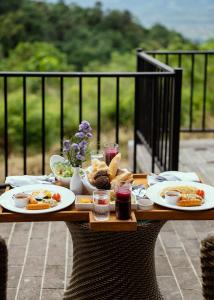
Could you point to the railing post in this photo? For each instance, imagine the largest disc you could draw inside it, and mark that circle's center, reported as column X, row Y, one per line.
column 5, row 127
column 136, row 111
column 176, row 113
column 153, row 120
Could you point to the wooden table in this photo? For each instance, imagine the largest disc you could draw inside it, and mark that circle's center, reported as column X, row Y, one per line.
column 73, row 215
column 109, row 265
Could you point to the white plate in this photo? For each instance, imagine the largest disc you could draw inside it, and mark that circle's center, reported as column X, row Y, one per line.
column 154, row 191
column 67, row 198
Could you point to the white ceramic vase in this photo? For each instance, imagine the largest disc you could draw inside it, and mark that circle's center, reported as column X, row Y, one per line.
column 76, row 185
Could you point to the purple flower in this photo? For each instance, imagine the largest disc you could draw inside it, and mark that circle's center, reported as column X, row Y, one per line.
column 80, row 135
column 82, row 151
column 89, row 135
column 66, row 145
column 75, row 146
column 80, row 157
column 83, row 145
column 85, row 126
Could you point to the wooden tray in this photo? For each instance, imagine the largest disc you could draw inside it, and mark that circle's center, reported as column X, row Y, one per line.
column 113, row 224
column 90, row 207
column 71, row 214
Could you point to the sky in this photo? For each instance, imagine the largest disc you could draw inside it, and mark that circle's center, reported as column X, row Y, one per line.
column 193, row 18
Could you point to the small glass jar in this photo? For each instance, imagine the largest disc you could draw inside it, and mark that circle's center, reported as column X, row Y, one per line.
column 101, row 205
column 123, row 200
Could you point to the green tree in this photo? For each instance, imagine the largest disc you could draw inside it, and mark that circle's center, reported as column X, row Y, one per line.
column 37, row 56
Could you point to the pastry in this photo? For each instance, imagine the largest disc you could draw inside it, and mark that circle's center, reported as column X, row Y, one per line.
column 190, row 200
column 125, row 176
column 38, row 206
column 114, row 166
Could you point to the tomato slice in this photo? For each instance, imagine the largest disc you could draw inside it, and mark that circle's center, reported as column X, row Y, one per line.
column 56, row 197
column 200, row 193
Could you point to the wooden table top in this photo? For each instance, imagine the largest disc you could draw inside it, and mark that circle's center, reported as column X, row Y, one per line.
column 73, row 215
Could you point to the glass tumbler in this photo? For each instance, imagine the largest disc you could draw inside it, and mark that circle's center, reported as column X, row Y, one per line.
column 110, row 151
column 123, row 200
column 101, row 205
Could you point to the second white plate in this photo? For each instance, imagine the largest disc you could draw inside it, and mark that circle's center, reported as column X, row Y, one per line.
column 154, row 191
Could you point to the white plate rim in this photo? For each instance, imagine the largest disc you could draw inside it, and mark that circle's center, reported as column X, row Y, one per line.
column 65, row 202
column 153, row 193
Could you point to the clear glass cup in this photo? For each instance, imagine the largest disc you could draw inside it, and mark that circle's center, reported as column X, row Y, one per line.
column 97, row 154
column 101, row 205
column 123, row 200
column 110, row 150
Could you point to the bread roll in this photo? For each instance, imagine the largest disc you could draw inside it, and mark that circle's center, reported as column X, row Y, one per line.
column 189, row 203
column 114, row 166
column 126, row 176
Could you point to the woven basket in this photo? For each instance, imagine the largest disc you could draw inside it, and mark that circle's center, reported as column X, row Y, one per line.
column 207, row 267
column 113, row 265
column 3, row 270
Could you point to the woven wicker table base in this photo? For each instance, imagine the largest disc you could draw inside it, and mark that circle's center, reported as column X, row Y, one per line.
column 113, row 265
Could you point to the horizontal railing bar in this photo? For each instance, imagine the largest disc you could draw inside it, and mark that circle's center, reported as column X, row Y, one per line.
column 180, row 52
column 85, row 74
column 197, row 130
column 155, row 62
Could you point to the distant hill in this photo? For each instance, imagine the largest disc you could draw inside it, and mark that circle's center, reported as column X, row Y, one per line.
column 193, row 18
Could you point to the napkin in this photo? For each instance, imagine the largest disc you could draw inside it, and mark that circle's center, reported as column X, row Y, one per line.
column 29, row 179
column 139, row 191
column 172, row 176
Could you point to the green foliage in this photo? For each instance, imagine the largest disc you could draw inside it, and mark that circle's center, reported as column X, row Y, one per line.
column 83, row 34
column 48, row 36
column 36, row 56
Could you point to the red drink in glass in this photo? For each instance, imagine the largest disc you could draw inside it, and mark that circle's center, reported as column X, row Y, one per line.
column 123, row 202
column 111, row 151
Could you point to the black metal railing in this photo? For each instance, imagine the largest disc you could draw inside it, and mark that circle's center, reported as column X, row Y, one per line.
column 197, row 77
column 147, row 75
column 157, row 112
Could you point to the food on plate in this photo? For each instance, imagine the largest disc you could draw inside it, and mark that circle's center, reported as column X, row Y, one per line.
column 189, row 195
column 38, row 206
column 32, row 200
column 190, row 200
column 40, row 199
column 20, row 200
column 40, row 195
column 114, row 166
column 56, row 197
column 85, row 200
column 183, row 189
column 200, row 193
column 63, row 169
